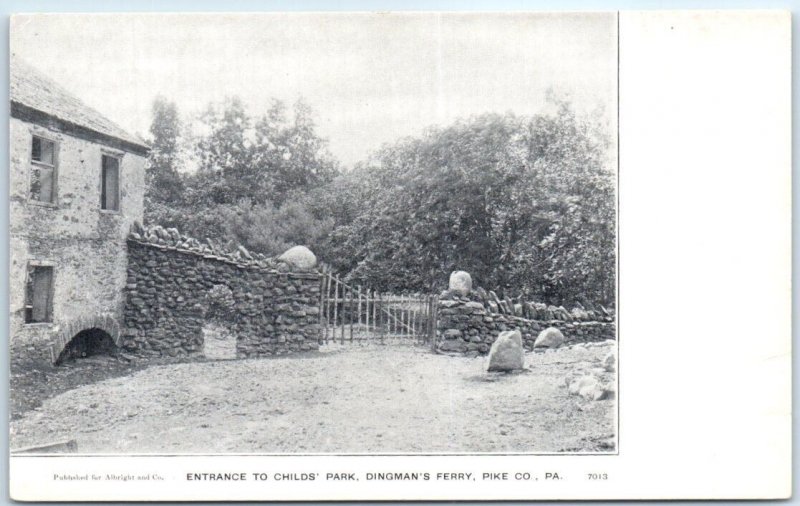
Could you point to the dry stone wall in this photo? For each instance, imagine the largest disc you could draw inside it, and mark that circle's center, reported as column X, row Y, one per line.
column 467, row 324
column 275, row 309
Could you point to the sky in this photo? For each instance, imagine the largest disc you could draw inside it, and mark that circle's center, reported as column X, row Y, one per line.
column 371, row 78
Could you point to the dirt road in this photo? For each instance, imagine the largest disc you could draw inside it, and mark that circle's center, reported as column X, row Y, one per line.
column 344, row 400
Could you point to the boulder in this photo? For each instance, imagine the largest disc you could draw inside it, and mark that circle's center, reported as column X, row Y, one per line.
column 550, row 337
column 582, row 383
column 592, row 389
column 460, row 283
column 300, row 257
column 506, row 353
column 610, row 361
column 588, row 387
column 453, row 345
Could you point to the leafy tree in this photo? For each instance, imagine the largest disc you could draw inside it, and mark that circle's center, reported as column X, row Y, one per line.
column 258, row 160
column 164, row 184
column 297, row 156
column 251, row 177
column 524, row 204
column 227, row 171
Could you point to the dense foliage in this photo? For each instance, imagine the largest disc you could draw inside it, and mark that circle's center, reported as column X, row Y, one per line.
column 244, row 178
column 525, row 204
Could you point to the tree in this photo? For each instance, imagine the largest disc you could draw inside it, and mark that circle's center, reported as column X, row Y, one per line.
column 227, row 171
column 164, row 185
column 251, row 177
column 524, row 204
column 296, row 154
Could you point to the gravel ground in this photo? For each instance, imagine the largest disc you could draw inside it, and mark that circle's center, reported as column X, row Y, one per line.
column 32, row 382
column 350, row 399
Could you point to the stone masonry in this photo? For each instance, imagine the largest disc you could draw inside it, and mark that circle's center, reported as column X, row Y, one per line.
column 275, row 311
column 70, row 233
column 467, row 324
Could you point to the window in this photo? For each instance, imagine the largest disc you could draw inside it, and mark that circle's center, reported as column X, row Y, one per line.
column 39, row 294
column 109, row 190
column 43, row 170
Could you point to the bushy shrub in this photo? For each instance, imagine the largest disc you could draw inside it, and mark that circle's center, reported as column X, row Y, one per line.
column 219, row 304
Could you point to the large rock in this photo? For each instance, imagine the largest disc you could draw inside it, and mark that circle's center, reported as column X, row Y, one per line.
column 460, row 283
column 583, row 384
column 610, row 361
column 300, row 257
column 592, row 389
column 506, row 353
column 550, row 337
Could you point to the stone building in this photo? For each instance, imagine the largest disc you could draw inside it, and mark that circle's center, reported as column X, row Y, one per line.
column 76, row 187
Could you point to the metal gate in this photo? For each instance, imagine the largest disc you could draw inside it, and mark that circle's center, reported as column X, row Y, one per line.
column 352, row 314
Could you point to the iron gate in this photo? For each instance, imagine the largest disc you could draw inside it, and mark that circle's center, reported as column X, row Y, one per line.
column 352, row 314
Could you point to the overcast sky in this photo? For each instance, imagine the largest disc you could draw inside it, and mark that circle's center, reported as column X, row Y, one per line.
column 371, row 78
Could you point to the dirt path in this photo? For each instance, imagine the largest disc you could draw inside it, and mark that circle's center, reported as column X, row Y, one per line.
column 346, row 400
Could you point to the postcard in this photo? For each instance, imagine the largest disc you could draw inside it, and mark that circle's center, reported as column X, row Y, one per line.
column 400, row 256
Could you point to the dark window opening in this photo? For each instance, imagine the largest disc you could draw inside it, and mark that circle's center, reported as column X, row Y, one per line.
column 39, row 295
column 43, row 151
column 109, row 192
column 87, row 343
column 43, row 170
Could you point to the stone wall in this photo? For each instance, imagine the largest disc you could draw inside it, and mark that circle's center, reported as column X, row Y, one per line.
column 84, row 244
column 274, row 311
column 467, row 324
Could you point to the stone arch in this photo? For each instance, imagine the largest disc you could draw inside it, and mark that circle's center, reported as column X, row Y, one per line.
column 71, row 329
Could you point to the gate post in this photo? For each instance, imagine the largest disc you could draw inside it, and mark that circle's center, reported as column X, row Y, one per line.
column 323, row 322
column 434, row 303
column 380, row 315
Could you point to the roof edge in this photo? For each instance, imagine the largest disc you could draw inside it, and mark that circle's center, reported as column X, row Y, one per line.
column 32, row 115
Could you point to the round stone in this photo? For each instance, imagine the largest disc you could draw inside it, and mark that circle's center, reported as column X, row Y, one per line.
column 460, row 283
column 507, row 353
column 300, row 257
column 550, row 337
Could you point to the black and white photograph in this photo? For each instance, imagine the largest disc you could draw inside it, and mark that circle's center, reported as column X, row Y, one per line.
column 385, row 255
column 308, row 233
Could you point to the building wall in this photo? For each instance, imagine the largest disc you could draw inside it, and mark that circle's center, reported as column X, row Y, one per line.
column 85, row 245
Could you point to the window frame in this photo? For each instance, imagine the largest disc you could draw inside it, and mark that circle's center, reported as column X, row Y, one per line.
column 118, row 155
column 36, row 163
column 29, row 268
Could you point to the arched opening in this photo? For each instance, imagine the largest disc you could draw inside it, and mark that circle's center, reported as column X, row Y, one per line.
column 219, row 343
column 87, row 343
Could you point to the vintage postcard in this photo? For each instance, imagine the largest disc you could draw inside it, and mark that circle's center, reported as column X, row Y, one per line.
column 385, row 256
